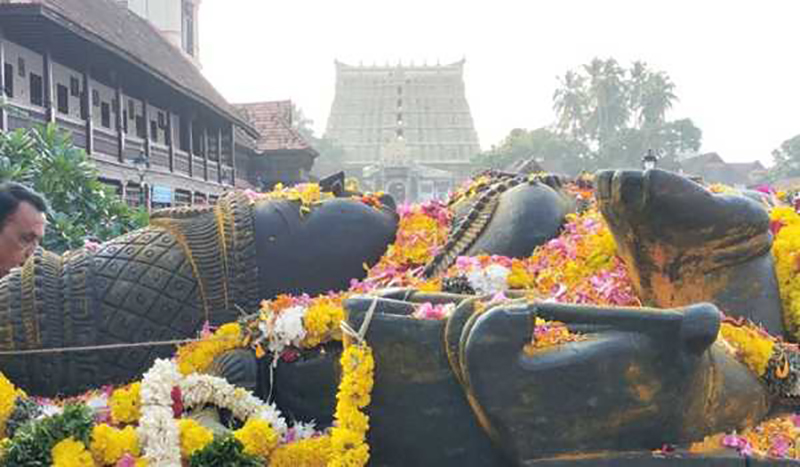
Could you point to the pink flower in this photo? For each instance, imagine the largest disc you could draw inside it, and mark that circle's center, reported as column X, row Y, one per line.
column 207, row 330
column 780, row 447
column 126, row 461
column 796, row 420
column 739, row 443
column 91, row 246
column 433, row 312
column 465, row 263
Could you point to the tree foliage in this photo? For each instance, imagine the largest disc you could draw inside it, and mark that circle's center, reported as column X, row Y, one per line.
column 606, row 116
column 786, row 159
column 554, row 151
column 331, row 155
column 45, row 159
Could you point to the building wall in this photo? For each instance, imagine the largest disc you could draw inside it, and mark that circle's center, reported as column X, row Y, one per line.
column 168, row 17
column 425, row 106
column 31, row 61
column 67, row 85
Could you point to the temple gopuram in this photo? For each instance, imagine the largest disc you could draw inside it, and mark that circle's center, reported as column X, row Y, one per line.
column 405, row 129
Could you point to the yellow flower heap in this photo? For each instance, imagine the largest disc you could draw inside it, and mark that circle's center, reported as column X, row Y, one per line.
column 110, row 444
column 71, row 453
column 418, row 236
column 196, row 357
column 581, row 265
column 8, row 398
column 786, row 251
column 307, row 194
column 751, row 345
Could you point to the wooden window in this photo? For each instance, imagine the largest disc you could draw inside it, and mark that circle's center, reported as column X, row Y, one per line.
column 182, row 198
column 140, row 126
column 8, row 70
column 37, row 90
column 74, row 87
column 133, row 195
column 95, row 98
column 62, row 99
column 153, row 130
column 105, row 115
column 21, row 67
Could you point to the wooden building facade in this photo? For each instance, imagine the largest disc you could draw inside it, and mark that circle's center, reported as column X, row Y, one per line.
column 156, row 128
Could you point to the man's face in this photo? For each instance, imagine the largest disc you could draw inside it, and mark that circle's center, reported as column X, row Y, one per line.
column 20, row 235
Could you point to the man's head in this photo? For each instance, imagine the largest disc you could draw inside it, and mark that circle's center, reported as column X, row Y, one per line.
column 22, row 222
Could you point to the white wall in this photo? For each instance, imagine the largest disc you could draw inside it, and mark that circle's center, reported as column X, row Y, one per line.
column 62, row 76
column 33, row 64
column 167, row 17
column 106, row 95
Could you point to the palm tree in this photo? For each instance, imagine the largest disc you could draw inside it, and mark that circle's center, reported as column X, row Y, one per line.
column 657, row 98
column 569, row 103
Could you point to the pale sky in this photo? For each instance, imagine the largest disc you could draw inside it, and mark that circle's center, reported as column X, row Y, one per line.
column 736, row 64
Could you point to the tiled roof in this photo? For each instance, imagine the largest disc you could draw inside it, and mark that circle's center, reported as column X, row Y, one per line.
column 274, row 121
column 119, row 30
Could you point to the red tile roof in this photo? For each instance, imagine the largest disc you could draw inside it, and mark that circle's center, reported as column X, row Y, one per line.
column 274, row 121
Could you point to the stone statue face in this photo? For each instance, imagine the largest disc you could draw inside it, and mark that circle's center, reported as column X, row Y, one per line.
column 683, row 244
column 321, row 250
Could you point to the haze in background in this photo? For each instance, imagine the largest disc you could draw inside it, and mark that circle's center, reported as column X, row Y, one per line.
column 735, row 64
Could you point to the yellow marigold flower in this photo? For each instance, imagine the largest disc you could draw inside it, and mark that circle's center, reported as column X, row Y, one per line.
column 125, row 404
column 519, row 277
column 349, row 448
column 348, row 416
column 71, row 453
column 8, row 397
column 194, row 436
column 786, row 251
column 753, row 348
column 196, row 357
column 257, row 437
column 313, row 452
column 321, row 322
column 110, row 444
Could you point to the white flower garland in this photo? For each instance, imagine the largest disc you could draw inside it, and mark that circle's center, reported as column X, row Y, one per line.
column 490, row 280
column 158, row 430
column 283, row 329
column 198, row 390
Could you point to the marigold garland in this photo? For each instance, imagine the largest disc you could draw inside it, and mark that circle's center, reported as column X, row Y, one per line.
column 348, row 437
column 753, row 347
column 109, row 445
column 312, row 452
column 125, row 404
column 786, row 252
column 257, row 437
column 196, row 357
column 194, row 436
column 71, row 453
column 8, row 398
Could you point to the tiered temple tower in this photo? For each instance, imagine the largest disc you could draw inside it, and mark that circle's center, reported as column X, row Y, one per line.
column 417, row 118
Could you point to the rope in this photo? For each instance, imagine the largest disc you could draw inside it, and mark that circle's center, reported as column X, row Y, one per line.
column 103, row 347
column 362, row 331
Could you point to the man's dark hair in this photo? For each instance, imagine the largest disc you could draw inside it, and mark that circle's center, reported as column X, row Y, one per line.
column 11, row 194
